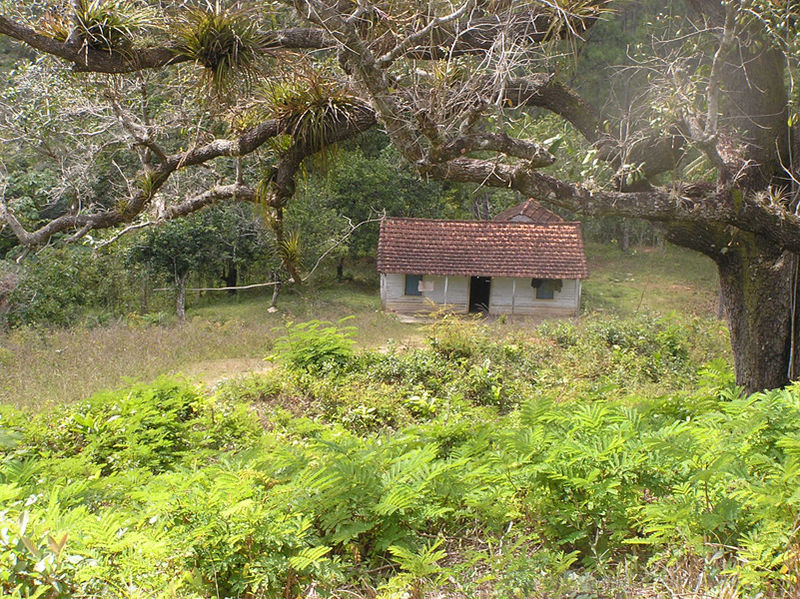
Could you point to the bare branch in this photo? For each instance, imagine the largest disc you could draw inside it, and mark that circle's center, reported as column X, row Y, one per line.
column 234, row 288
column 352, row 229
column 140, row 133
column 388, row 58
column 714, row 79
column 124, row 232
column 215, row 194
column 536, row 155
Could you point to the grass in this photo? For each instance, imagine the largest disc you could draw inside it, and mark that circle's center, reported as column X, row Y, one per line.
column 649, row 280
column 226, row 336
column 40, row 367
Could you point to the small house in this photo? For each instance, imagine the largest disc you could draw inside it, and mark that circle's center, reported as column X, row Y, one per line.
column 499, row 267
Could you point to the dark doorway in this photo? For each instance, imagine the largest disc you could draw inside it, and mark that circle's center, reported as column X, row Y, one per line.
column 479, row 290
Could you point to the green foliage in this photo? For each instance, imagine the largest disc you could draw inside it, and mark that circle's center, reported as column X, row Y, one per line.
column 205, row 243
column 291, row 251
column 455, row 337
column 403, row 473
column 100, row 24
column 307, row 102
column 147, row 426
column 225, row 40
column 63, row 286
column 30, row 559
column 418, row 570
column 316, row 345
column 359, row 185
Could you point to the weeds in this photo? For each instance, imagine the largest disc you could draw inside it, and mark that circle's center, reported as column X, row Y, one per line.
column 316, row 345
column 536, row 501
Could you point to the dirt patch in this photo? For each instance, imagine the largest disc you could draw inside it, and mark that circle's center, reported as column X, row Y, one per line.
column 212, row 372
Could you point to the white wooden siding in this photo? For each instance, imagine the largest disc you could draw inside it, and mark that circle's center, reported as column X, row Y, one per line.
column 564, row 302
column 394, row 299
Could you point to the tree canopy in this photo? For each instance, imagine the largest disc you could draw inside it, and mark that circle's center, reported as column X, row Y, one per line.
column 215, row 101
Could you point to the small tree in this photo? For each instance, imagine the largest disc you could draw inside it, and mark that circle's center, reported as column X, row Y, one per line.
column 178, row 248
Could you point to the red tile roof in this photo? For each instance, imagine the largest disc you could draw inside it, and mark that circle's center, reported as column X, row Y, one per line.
column 481, row 248
column 529, row 211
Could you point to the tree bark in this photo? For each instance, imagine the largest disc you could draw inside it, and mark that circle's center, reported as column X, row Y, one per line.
column 759, row 287
column 276, row 289
column 180, row 299
column 626, row 235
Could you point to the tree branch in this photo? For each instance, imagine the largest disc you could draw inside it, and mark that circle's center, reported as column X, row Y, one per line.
column 479, row 34
column 124, row 232
column 341, row 240
column 234, row 191
column 87, row 59
column 408, row 42
column 655, row 152
column 343, row 127
column 536, row 155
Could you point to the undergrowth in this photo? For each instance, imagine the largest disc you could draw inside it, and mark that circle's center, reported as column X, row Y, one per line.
column 472, row 467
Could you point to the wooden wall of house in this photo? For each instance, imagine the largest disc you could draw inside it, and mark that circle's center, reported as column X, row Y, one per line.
column 564, row 303
column 394, row 299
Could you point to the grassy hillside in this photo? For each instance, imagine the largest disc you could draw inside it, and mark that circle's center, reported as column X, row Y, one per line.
column 228, row 336
column 649, row 280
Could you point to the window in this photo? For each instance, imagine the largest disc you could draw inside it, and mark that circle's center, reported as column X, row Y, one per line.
column 545, row 291
column 412, row 284
column 546, row 288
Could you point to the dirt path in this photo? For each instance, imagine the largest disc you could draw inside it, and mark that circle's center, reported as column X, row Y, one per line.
column 211, row 372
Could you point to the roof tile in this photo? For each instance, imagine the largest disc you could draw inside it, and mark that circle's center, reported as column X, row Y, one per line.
column 481, row 248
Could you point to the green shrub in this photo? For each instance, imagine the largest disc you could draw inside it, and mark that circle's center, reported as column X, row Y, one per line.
column 62, row 286
column 535, row 492
column 455, row 337
column 316, row 345
column 412, row 368
column 149, row 426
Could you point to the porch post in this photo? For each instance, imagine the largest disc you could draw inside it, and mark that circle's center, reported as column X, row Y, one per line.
column 513, row 293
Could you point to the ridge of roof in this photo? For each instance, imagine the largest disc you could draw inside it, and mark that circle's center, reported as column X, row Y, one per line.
column 530, row 209
column 483, row 222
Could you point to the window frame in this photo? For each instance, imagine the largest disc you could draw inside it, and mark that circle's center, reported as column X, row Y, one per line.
column 546, row 289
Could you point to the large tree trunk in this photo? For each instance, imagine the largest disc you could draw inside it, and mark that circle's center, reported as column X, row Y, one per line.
column 759, row 288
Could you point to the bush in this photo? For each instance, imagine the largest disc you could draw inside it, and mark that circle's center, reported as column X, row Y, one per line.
column 151, row 427
column 532, row 495
column 62, row 286
column 455, row 337
column 316, row 345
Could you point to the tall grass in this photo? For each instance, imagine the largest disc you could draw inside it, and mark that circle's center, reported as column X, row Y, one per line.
column 226, row 336
column 649, row 279
column 40, row 367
